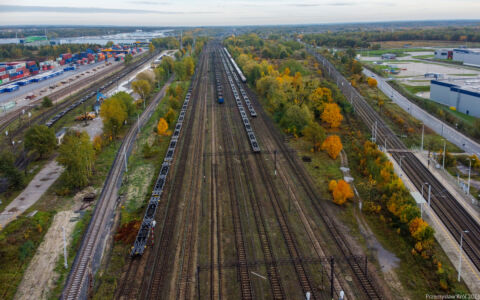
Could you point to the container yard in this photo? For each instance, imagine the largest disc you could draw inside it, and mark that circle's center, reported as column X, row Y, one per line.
column 29, row 78
column 13, row 71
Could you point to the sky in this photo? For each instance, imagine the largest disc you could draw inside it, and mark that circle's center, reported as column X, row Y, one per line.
column 229, row 12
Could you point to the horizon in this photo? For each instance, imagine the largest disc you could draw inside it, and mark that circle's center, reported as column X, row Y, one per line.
column 189, row 13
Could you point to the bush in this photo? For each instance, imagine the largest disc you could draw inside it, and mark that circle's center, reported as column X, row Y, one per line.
column 46, row 102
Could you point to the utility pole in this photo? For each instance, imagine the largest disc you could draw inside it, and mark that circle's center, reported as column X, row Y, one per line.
column 423, row 132
column 429, row 193
column 469, row 171
column 64, row 249
column 444, row 148
column 125, row 158
column 460, row 255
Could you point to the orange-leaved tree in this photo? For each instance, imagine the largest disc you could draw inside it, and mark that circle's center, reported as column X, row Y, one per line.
column 331, row 115
column 372, row 82
column 162, row 127
column 332, row 145
column 423, row 234
column 341, row 191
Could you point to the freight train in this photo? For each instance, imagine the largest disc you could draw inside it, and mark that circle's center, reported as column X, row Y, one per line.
column 148, row 219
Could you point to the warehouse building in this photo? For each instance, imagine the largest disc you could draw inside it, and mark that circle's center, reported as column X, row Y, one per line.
column 389, row 56
column 462, row 94
column 469, row 57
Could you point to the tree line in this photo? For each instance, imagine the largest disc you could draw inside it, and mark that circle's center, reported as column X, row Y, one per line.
column 367, row 38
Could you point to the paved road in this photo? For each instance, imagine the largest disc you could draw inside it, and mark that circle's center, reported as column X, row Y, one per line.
column 451, row 134
column 35, row 189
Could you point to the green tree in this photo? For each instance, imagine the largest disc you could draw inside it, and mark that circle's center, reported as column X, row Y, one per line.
column 128, row 59
column 296, row 118
column 160, row 74
column 8, row 170
column 315, row 134
column 77, row 155
column 41, row 139
column 180, row 70
column 168, row 64
column 46, row 102
column 109, row 44
column 476, row 126
column 127, row 101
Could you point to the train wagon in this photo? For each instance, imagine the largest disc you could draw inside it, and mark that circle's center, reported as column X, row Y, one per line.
column 220, row 99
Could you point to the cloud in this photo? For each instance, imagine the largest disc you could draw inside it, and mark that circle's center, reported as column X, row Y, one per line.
column 340, row 3
column 90, row 10
column 149, row 3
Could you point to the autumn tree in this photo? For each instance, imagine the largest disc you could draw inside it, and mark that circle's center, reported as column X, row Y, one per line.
column 142, row 88
column 77, row 155
column 356, row 67
column 162, row 127
column 331, row 115
column 332, row 145
column 372, row 82
column 97, row 143
column 113, row 113
column 341, row 191
column 314, row 133
column 189, row 66
column 127, row 101
column 423, row 235
column 151, row 48
column 170, row 116
column 40, row 139
column 146, row 75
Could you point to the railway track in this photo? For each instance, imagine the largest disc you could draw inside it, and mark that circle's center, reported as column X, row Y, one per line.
column 450, row 211
column 215, row 204
column 11, row 116
column 192, row 195
column 232, row 179
column 371, row 290
column 258, row 163
column 90, row 247
column 160, row 255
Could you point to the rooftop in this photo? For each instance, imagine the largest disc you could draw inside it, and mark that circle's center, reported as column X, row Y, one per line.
column 466, row 84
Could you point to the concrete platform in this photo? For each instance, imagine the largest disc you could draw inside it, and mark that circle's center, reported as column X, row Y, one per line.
column 470, row 274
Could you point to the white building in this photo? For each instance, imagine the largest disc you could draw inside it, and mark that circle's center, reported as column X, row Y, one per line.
column 462, row 94
column 469, row 57
column 442, row 53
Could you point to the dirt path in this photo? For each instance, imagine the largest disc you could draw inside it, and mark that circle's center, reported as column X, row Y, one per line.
column 40, row 276
column 35, row 189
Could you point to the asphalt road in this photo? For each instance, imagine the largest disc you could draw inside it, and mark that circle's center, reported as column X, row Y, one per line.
column 451, row 134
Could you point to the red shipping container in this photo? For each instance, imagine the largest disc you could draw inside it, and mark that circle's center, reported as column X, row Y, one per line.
column 4, row 76
column 2, row 69
column 35, row 72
